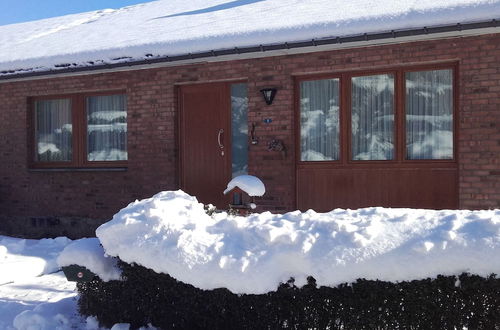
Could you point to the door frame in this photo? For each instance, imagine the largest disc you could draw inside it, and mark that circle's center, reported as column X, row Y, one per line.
column 226, row 85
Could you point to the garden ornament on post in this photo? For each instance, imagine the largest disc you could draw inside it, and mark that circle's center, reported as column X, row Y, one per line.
column 243, row 190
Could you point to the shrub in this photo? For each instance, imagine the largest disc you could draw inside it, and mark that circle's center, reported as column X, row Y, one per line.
column 446, row 302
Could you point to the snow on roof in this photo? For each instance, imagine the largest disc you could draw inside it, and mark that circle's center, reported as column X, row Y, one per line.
column 174, row 27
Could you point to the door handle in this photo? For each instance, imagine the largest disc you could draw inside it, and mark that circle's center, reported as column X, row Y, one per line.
column 221, row 146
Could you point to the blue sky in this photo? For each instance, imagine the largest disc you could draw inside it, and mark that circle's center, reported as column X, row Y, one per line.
column 15, row 11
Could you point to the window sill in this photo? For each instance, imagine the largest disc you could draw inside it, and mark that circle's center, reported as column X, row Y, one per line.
column 79, row 169
column 379, row 164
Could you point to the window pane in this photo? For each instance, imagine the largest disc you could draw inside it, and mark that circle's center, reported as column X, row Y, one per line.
column 239, row 129
column 106, row 128
column 372, row 122
column 319, row 120
column 429, row 115
column 53, row 130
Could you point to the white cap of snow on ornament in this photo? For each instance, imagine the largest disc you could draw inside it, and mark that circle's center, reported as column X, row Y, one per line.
column 250, row 184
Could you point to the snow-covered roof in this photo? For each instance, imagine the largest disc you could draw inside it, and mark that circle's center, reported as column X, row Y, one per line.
column 177, row 27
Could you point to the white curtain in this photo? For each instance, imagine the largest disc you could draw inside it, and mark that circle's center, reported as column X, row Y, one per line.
column 372, row 121
column 53, row 130
column 429, row 115
column 319, row 120
column 106, row 128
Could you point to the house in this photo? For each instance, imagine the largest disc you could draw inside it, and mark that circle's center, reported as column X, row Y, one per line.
column 391, row 103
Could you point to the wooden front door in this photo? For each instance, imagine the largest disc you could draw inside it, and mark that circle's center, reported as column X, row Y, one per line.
column 205, row 145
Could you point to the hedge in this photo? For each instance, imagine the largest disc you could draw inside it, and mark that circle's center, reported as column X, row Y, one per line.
column 145, row 297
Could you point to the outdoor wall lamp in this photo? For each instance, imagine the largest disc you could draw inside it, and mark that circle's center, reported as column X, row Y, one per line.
column 269, row 94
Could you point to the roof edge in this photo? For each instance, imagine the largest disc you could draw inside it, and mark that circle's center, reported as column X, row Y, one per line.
column 359, row 40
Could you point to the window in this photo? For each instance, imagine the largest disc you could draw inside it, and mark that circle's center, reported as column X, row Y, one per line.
column 398, row 115
column 80, row 131
column 53, row 130
column 319, row 120
column 429, row 115
column 106, row 128
column 372, row 117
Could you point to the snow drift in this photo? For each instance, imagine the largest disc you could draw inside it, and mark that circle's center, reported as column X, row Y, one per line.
column 27, row 258
column 171, row 233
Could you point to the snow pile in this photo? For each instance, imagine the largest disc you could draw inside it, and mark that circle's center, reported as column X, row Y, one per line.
column 47, row 316
column 89, row 253
column 46, row 302
column 26, row 258
column 170, row 233
column 250, row 184
column 33, row 293
column 122, row 326
column 23, row 296
column 176, row 27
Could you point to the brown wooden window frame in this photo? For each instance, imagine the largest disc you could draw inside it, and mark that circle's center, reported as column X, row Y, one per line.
column 79, row 133
column 400, row 157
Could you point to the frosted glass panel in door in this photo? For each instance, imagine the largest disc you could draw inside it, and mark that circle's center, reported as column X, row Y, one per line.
column 239, row 129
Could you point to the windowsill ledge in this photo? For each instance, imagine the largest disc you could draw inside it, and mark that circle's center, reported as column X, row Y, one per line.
column 80, row 169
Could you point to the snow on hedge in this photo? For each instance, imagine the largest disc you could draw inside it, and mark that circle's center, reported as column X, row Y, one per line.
column 171, row 233
column 89, row 253
column 174, row 27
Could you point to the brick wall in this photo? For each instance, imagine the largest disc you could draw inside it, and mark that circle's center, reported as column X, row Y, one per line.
column 92, row 197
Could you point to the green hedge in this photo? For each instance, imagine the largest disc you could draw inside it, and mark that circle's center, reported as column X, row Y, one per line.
column 442, row 303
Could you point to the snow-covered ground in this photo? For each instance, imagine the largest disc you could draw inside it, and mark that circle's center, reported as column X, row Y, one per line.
column 34, row 294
